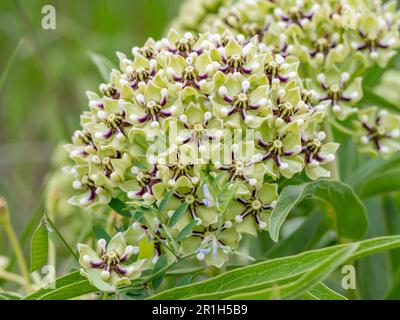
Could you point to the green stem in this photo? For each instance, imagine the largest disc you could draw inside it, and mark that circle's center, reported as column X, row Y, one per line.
column 174, row 248
column 167, row 267
column 5, row 221
column 156, row 274
column 9, row 64
column 53, row 228
column 105, row 296
column 341, row 128
column 23, row 267
column 12, row 277
column 52, row 248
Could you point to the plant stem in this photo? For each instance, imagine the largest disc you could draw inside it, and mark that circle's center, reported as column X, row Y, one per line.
column 10, row 63
column 12, row 277
column 19, row 256
column 167, row 267
column 156, row 274
column 105, row 296
column 52, row 247
column 5, row 221
column 341, row 128
column 53, row 228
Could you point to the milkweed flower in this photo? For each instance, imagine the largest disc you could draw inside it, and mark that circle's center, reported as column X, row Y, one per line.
column 378, row 131
column 109, row 263
column 195, row 117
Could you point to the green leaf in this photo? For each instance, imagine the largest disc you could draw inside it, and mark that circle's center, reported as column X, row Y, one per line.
column 187, row 230
column 267, row 273
column 100, row 233
column 306, row 282
column 350, row 220
column 177, row 214
column 322, row 292
column 160, row 264
column 371, row 168
column 299, row 239
column 374, row 287
column 185, row 280
column 384, row 182
column 138, row 215
column 374, row 74
column 371, row 98
column 39, row 247
column 164, row 201
column 103, row 65
column 66, row 287
column 119, row 207
column 9, row 296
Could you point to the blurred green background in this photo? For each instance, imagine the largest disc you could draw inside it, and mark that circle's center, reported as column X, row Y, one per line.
column 44, row 75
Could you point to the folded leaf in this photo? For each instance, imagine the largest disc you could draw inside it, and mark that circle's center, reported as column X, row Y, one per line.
column 349, row 220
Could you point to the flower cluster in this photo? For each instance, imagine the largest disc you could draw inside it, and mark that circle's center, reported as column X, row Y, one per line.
column 333, row 40
column 320, row 33
column 211, row 121
column 193, row 13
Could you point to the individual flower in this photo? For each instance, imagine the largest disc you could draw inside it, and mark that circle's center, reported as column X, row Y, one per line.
column 377, row 35
column 242, row 164
column 182, row 45
column 201, row 130
column 191, row 75
column 212, row 244
column 238, row 56
column 90, row 193
column 277, row 69
column 109, row 264
column 242, row 102
column 280, row 151
column 109, row 124
column 251, row 211
column 378, row 131
column 317, row 152
column 139, row 71
column 198, row 207
column 151, row 107
column 339, row 90
column 140, row 184
column 180, row 166
column 321, row 45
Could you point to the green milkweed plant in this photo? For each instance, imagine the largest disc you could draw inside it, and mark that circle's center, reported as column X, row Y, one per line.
column 201, row 143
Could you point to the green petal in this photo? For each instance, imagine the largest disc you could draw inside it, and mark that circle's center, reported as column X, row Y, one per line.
column 207, row 215
column 268, row 193
column 248, row 225
column 84, row 250
column 218, row 260
column 117, row 243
